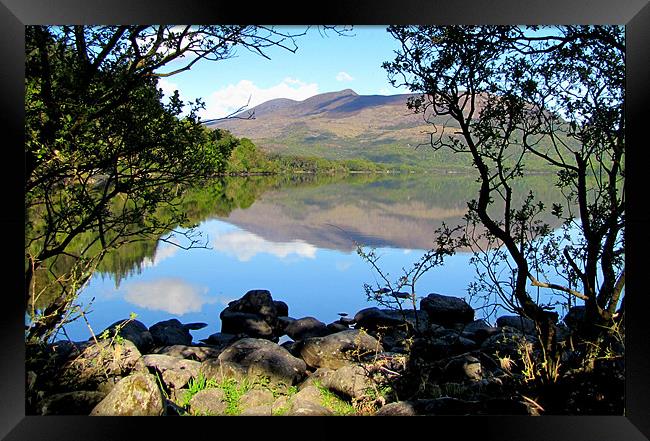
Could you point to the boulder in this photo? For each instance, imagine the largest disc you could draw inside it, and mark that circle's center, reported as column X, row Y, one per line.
column 79, row 402
column 170, row 332
column 250, row 324
column 436, row 406
column 429, row 349
column 447, row 310
column 132, row 330
column 464, row 367
column 574, row 317
column 258, row 302
column 374, row 319
column 350, row 381
column 101, row 360
column 197, row 353
column 256, row 358
column 211, row 401
column 306, row 327
column 509, row 342
column 308, row 401
column 339, row 349
column 135, row 395
column 521, row 323
column 281, row 308
column 257, row 397
column 175, row 372
column 337, row 326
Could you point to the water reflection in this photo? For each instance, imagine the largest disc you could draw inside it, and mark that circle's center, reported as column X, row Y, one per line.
column 296, row 239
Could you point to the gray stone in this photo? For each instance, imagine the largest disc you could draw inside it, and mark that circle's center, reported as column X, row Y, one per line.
column 337, row 327
column 262, row 410
column 574, row 317
column 103, row 359
column 463, row 367
column 308, row 401
column 208, row 402
column 374, row 319
column 197, row 353
column 253, row 325
column 518, row 322
column 306, row 327
column 135, row 395
column 259, row 302
column 507, row 343
column 175, row 372
column 257, row 397
column 71, row 403
column 437, row 348
column 133, row 330
column 257, row 358
column 436, row 406
column 447, row 310
column 351, row 381
column 170, row 332
column 281, row 308
column 339, row 349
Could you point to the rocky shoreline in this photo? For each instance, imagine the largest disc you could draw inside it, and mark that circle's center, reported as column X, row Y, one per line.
column 436, row 360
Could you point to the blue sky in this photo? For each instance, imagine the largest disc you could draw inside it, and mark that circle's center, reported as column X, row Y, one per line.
column 324, row 62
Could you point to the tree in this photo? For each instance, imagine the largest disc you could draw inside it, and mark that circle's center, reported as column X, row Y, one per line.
column 511, row 94
column 103, row 153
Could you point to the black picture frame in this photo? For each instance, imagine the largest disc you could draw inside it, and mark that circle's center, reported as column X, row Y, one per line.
column 634, row 14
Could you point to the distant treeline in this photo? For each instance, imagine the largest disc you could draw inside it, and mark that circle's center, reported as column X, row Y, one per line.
column 246, row 158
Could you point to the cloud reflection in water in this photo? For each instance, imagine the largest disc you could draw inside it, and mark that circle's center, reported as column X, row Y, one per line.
column 171, row 295
column 244, row 246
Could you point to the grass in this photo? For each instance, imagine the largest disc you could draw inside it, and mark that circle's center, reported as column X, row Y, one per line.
column 334, row 402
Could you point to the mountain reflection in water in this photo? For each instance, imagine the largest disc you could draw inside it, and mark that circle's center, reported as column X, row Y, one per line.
column 296, row 239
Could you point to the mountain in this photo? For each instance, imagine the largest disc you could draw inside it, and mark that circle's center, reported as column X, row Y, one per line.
column 340, row 125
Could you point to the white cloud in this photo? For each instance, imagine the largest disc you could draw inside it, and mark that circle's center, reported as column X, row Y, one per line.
column 224, row 101
column 344, row 76
column 244, row 246
column 161, row 254
column 171, row 295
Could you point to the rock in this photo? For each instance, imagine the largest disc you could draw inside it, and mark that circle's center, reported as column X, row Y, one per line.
column 256, row 358
column 306, row 327
column 575, row 317
column 436, row 406
column 337, row 350
column 337, row 327
column 447, row 310
column 197, row 353
column 373, row 319
column 256, row 398
column 175, row 372
column 135, row 395
column 463, row 367
column 253, row 325
column 263, row 410
column 436, row 348
column 308, row 401
column 71, row 403
column 221, row 340
column 281, row 308
column 507, row 343
column 211, row 401
column 283, row 322
column 133, row 330
column 258, row 302
column 194, row 326
column 523, row 324
column 102, row 360
column 350, row 381
column 170, row 332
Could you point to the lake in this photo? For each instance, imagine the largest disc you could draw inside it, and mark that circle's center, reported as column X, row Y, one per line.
column 295, row 236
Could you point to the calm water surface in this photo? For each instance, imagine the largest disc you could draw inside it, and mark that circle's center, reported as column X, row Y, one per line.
column 299, row 242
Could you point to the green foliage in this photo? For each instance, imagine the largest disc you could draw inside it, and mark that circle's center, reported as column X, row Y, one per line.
column 333, row 402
